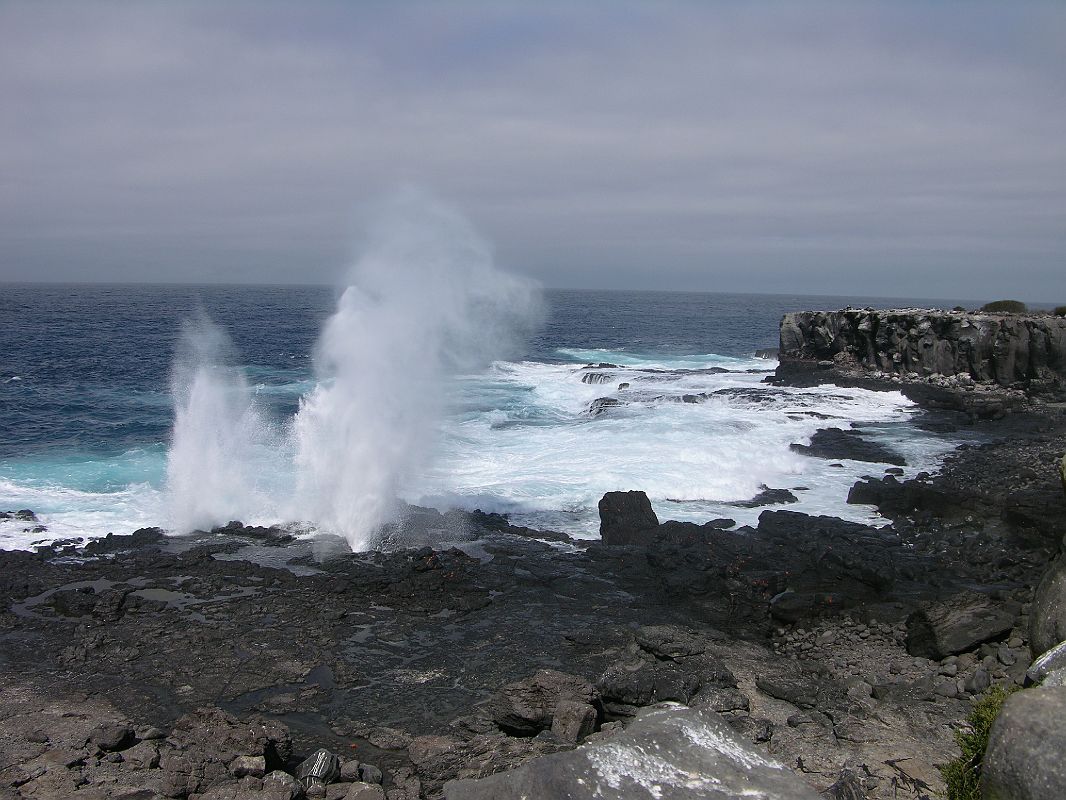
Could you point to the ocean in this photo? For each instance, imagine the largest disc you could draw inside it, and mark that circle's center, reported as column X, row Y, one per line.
column 87, row 409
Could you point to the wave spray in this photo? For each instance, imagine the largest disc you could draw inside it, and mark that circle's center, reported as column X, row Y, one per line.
column 220, row 441
column 424, row 304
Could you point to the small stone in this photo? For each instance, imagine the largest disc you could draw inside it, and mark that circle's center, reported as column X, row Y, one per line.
column 350, row 770
column 1006, row 656
column 573, row 721
column 248, row 765
column 950, row 670
column 111, row 736
column 365, row 791
column 368, row 773
column 979, row 681
column 945, row 688
column 143, row 755
column 280, row 782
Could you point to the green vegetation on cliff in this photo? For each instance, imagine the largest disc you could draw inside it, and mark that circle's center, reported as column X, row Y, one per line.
column 1009, row 306
column 963, row 775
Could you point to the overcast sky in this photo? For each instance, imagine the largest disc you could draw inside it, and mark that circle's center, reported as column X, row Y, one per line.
column 896, row 148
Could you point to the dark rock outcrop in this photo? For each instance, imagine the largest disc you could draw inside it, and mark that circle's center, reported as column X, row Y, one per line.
column 835, row 443
column 668, row 752
column 961, row 623
column 527, row 707
column 1006, row 350
column 1024, row 757
column 1047, row 617
column 768, row 497
column 625, row 517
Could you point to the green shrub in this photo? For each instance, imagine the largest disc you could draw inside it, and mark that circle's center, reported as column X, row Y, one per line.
column 963, row 775
column 1059, row 311
column 1010, row 306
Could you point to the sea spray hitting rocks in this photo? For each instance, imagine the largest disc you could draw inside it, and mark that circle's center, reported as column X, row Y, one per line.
column 425, row 303
column 219, row 439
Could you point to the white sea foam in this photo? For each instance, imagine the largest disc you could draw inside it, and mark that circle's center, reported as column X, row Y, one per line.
column 547, row 461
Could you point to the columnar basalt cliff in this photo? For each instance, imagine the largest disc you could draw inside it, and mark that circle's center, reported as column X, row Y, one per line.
column 1015, row 351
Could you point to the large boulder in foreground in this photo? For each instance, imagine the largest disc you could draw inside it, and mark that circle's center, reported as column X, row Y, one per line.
column 958, row 624
column 1047, row 616
column 627, row 518
column 668, row 752
column 1024, row 757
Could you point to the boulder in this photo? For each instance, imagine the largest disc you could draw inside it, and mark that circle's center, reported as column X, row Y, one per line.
column 626, row 518
column 1024, row 757
column 573, row 721
column 1054, row 659
column 282, row 784
column 668, row 752
column 1047, row 616
column 111, row 737
column 527, row 707
column 364, row 791
column 953, row 626
column 206, row 741
column 321, row 767
column 647, row 683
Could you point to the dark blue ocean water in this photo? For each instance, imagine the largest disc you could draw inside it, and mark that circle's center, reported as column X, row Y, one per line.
column 85, row 407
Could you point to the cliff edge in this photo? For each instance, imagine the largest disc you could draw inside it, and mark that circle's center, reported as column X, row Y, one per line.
column 1024, row 352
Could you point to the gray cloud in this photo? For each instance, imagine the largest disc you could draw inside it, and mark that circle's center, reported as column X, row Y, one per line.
column 883, row 148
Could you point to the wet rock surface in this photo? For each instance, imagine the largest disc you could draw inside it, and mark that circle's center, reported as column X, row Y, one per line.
column 233, row 656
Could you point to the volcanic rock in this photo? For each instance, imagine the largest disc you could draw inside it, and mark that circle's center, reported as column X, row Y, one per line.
column 1047, row 616
column 1024, row 756
column 668, row 752
column 961, row 623
column 626, row 518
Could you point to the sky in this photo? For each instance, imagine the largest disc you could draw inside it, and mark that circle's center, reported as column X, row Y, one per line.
column 893, row 149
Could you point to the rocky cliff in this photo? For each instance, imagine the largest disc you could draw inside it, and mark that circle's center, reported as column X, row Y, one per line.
column 1016, row 351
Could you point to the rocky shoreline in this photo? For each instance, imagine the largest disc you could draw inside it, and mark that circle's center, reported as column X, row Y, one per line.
column 219, row 665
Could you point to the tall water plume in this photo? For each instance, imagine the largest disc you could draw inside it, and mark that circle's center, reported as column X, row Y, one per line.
column 219, row 440
column 424, row 303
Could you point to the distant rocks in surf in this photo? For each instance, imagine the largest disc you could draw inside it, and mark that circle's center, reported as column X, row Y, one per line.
column 24, row 515
column 602, row 404
column 597, row 377
column 767, row 497
column 836, row 443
